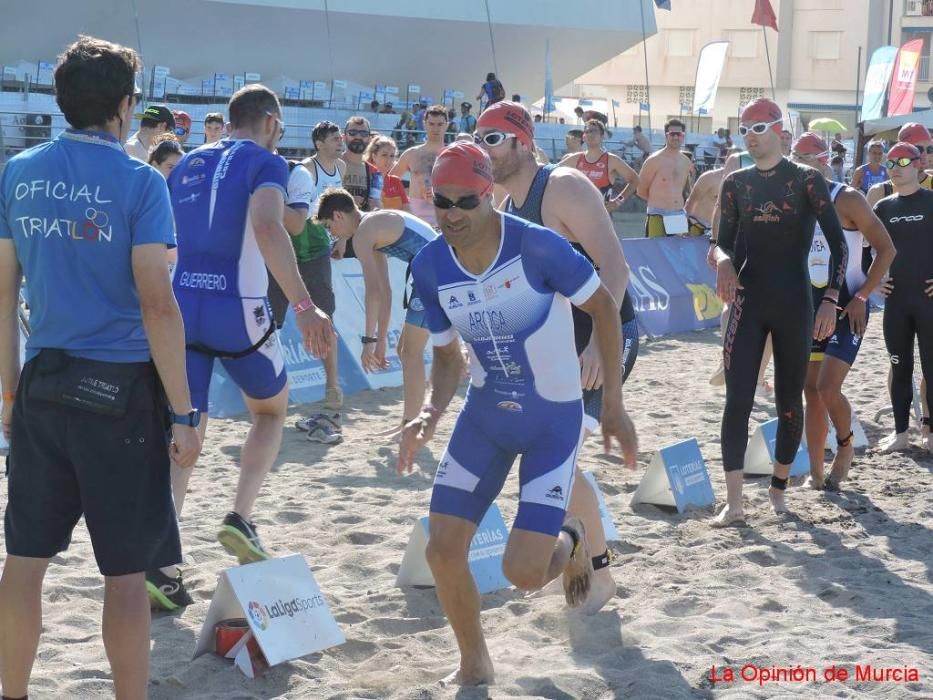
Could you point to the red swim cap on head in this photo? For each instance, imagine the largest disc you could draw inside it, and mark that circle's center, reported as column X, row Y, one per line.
column 810, row 144
column 903, row 150
column 914, row 133
column 511, row 118
column 764, row 111
column 182, row 119
column 463, row 164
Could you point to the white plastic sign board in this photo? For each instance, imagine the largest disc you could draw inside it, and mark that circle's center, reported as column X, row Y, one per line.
column 609, row 527
column 759, row 455
column 485, row 556
column 676, row 476
column 859, row 439
column 282, row 604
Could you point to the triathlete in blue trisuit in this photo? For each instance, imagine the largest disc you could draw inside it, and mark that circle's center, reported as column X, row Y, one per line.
column 229, row 200
column 505, row 286
column 376, row 236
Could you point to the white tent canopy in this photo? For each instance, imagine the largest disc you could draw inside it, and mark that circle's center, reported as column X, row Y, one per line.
column 893, row 124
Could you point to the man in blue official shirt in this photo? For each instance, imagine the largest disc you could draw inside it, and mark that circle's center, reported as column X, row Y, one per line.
column 87, row 418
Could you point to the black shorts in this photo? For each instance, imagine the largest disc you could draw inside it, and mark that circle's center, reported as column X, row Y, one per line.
column 318, row 279
column 67, row 462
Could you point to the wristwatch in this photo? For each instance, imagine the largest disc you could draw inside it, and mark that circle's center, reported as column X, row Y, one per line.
column 367, row 339
column 192, row 418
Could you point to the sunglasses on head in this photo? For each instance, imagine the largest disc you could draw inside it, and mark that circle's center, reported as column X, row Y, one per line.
column 180, row 131
column 362, row 133
column 903, row 162
column 492, row 138
column 757, row 128
column 470, row 201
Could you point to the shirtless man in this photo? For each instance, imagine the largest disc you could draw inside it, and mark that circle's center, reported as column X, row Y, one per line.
column 602, row 167
column 702, row 201
column 419, row 160
column 564, row 200
column 662, row 182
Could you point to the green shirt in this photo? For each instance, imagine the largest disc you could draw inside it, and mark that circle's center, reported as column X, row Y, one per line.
column 312, row 243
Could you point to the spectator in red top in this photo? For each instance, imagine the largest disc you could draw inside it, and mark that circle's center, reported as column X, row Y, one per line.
column 382, row 153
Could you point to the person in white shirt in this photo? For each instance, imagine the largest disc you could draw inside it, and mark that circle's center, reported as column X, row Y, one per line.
column 155, row 120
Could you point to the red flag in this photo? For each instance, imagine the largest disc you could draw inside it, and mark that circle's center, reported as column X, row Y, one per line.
column 904, row 78
column 764, row 14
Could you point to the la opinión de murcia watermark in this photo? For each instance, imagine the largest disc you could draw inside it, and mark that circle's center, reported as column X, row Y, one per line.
column 860, row 673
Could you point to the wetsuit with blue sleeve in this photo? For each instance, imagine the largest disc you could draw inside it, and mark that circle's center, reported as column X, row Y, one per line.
column 766, row 228
column 525, row 396
column 220, row 278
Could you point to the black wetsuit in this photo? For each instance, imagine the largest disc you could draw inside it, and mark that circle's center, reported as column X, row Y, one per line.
column 766, row 227
column 908, row 311
column 582, row 322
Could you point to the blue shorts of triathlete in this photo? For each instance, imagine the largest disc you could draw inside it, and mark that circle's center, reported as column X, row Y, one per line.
column 843, row 344
column 491, row 431
column 414, row 313
column 227, row 326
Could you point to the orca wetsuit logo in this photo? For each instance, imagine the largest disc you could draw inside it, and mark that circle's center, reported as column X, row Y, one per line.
column 896, row 219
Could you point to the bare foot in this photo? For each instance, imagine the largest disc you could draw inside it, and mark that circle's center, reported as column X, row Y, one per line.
column 815, row 482
column 776, row 496
column 578, row 575
column 602, row 590
column 482, row 675
column 728, row 517
column 895, row 442
column 842, row 462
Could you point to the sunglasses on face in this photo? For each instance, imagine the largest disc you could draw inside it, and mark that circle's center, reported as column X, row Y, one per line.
column 471, row 201
column 902, row 162
column 492, row 138
column 928, row 149
column 810, row 156
column 180, row 131
column 678, row 134
column 357, row 133
column 757, row 128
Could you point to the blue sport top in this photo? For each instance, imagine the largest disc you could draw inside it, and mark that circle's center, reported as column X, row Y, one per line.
column 515, row 316
column 869, row 178
column 75, row 207
column 417, row 235
column 211, row 188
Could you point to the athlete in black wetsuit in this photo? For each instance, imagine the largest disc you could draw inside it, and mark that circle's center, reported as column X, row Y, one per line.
column 766, row 228
column 908, row 311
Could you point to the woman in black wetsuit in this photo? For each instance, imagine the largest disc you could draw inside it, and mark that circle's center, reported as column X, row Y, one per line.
column 768, row 214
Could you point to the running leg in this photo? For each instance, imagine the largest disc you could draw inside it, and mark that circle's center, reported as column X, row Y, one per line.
column 126, row 634
column 816, row 425
column 260, row 449
column 832, row 376
column 21, row 612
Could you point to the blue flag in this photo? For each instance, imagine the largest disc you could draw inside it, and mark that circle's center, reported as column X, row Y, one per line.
column 548, row 84
column 644, row 106
column 663, row 4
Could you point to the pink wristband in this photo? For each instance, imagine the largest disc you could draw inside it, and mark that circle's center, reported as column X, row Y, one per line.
column 861, row 298
column 303, row 305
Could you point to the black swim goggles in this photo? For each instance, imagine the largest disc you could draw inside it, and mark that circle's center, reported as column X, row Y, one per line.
column 470, row 201
column 903, row 162
column 492, row 138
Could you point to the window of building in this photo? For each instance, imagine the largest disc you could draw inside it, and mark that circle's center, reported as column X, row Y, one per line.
column 686, row 95
column 636, row 94
column 679, row 42
column 825, row 46
column 744, row 43
column 747, row 94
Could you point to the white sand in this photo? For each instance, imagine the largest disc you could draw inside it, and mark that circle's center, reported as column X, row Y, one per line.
column 846, row 580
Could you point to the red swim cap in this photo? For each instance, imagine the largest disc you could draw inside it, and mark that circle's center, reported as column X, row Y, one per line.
column 464, row 164
column 511, row 118
column 810, row 144
column 914, row 133
column 904, row 150
column 763, row 111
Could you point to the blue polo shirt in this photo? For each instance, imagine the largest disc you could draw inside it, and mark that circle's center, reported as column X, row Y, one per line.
column 75, row 207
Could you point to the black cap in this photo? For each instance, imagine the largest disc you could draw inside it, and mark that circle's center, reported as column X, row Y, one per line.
column 158, row 113
column 466, row 104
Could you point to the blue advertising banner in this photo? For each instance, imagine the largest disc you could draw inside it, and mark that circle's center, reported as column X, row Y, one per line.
column 671, row 286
